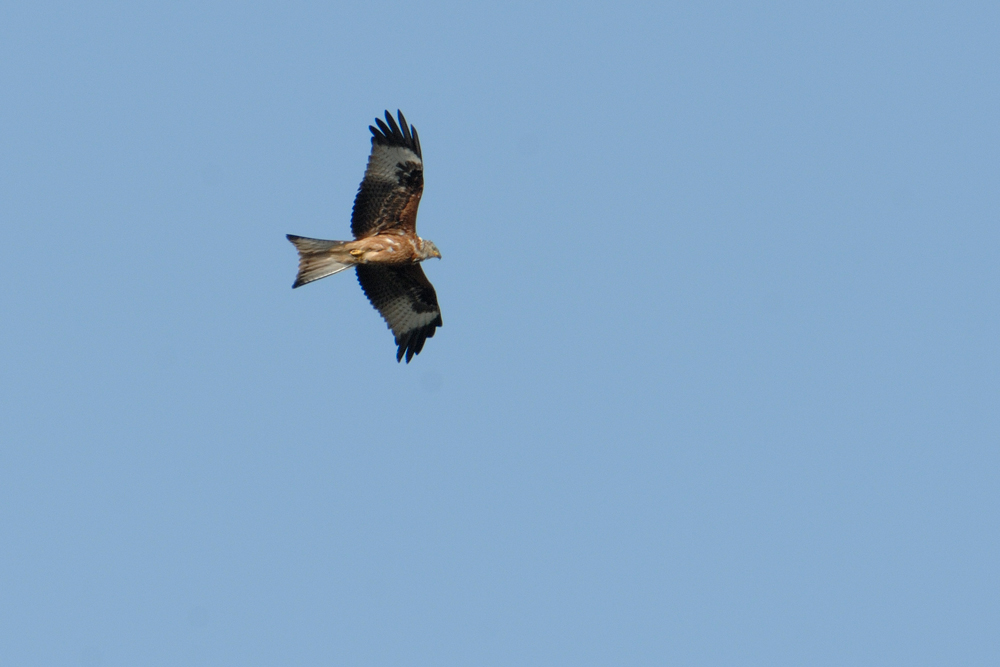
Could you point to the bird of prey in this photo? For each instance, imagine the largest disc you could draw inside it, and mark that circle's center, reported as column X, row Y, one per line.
column 386, row 252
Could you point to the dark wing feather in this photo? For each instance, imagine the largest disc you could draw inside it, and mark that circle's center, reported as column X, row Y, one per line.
column 393, row 182
column 407, row 302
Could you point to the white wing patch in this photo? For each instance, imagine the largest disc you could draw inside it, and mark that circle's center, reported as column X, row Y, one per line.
column 401, row 317
column 383, row 161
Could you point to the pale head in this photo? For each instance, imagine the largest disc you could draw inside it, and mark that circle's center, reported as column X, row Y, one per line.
column 428, row 250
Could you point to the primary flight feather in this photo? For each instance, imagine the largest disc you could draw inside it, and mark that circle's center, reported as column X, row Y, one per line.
column 386, row 251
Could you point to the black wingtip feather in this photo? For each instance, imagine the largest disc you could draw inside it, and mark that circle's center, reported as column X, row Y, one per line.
column 412, row 342
column 392, row 125
column 403, row 126
column 391, row 135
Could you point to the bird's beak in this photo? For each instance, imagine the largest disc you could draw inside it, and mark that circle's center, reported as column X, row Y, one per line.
column 437, row 253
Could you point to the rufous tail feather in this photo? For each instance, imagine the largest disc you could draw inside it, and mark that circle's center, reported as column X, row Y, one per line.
column 319, row 259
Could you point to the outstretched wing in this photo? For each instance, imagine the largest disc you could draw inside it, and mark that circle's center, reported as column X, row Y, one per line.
column 391, row 189
column 407, row 302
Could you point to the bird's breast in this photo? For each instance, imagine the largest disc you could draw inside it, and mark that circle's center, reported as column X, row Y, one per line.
column 384, row 249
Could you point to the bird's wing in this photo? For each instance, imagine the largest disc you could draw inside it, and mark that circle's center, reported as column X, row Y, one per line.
column 390, row 191
column 407, row 302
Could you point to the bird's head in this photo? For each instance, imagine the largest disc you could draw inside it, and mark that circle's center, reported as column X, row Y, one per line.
column 429, row 250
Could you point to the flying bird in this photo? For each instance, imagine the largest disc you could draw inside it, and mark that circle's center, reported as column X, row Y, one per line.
column 386, row 252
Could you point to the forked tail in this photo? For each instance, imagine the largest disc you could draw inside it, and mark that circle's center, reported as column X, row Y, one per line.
column 319, row 259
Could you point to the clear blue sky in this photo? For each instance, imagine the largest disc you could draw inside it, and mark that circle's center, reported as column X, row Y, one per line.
column 718, row 382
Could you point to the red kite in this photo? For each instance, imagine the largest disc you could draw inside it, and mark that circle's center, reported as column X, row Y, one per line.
column 386, row 251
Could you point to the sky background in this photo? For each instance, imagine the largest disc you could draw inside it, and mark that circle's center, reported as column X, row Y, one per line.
column 718, row 379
